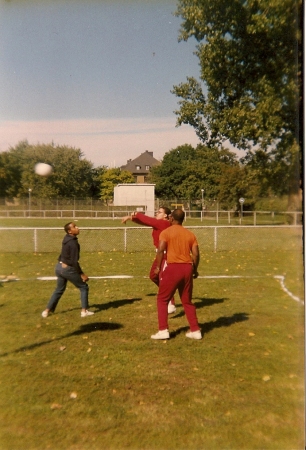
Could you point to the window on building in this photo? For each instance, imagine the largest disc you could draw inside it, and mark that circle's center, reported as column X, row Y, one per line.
column 138, row 167
column 147, row 167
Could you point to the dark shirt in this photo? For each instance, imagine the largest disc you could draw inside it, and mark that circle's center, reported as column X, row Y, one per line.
column 71, row 252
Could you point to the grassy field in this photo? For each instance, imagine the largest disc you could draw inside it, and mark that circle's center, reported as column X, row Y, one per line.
column 100, row 382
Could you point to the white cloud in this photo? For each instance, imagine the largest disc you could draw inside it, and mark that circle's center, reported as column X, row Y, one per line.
column 108, row 142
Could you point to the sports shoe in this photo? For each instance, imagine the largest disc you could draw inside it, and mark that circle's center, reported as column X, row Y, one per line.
column 45, row 314
column 171, row 308
column 164, row 334
column 87, row 313
column 194, row 334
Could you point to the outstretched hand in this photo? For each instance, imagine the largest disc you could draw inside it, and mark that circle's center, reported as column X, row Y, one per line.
column 125, row 219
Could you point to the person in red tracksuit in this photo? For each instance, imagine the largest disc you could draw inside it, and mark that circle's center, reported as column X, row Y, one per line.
column 158, row 224
column 183, row 258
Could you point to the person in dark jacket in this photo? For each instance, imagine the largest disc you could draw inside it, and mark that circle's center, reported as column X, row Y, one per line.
column 69, row 269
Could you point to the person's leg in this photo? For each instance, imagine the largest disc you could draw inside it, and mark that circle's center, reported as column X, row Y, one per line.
column 185, row 290
column 75, row 278
column 155, row 278
column 61, row 284
column 167, row 286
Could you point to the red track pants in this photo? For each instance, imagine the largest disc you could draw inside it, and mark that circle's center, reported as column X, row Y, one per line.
column 176, row 276
column 155, row 277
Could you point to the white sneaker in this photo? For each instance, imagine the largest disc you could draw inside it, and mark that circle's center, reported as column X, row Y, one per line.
column 87, row 313
column 45, row 314
column 171, row 308
column 163, row 334
column 194, row 334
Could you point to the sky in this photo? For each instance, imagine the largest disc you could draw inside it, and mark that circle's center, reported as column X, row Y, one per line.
column 94, row 75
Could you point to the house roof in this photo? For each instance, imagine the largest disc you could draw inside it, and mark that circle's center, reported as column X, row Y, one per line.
column 141, row 164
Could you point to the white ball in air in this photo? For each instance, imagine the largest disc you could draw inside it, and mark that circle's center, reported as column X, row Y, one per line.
column 43, row 169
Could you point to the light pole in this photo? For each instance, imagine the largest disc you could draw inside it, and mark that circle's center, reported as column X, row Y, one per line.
column 241, row 201
column 217, row 214
column 202, row 191
column 30, row 190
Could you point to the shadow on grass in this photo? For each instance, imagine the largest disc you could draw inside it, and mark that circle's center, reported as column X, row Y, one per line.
column 115, row 304
column 84, row 329
column 225, row 321
column 204, row 301
column 103, row 306
column 200, row 304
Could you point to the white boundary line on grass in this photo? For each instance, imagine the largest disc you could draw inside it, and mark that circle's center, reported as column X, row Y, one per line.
column 280, row 278
column 91, row 278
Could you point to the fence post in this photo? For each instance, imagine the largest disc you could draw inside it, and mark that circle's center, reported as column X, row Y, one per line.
column 35, row 240
column 125, row 239
column 215, row 239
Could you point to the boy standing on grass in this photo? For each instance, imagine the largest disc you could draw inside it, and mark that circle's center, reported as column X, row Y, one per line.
column 158, row 223
column 183, row 258
column 68, row 269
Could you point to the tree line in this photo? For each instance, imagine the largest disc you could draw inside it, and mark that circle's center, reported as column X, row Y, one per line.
column 73, row 175
column 185, row 172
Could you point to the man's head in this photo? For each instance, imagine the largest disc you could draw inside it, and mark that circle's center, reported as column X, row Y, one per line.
column 163, row 213
column 178, row 216
column 71, row 228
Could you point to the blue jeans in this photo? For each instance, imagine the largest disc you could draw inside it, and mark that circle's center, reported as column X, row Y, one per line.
column 64, row 275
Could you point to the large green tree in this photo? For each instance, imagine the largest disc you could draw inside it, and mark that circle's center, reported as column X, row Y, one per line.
column 110, row 178
column 185, row 171
column 72, row 174
column 250, row 79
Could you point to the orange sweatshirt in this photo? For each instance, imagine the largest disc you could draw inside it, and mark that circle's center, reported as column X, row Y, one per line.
column 179, row 244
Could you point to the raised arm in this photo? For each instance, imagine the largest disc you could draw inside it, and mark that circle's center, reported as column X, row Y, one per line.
column 125, row 219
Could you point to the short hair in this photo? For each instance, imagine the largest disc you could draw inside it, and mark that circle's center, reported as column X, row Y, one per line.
column 167, row 211
column 67, row 226
column 178, row 215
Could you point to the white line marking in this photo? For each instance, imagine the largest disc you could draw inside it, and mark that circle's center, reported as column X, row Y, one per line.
column 281, row 279
column 6, row 280
column 112, row 276
column 46, row 278
column 91, row 278
column 231, row 276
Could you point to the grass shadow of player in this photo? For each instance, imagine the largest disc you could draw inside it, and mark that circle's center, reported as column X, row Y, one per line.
column 115, row 304
column 204, row 302
column 224, row 321
column 87, row 328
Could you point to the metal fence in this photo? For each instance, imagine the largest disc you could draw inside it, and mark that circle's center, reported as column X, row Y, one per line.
column 216, row 216
column 138, row 239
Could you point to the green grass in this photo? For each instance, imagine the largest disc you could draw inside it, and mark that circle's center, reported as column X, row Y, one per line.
column 241, row 387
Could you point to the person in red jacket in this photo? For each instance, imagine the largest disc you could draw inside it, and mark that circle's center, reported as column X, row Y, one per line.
column 158, row 223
